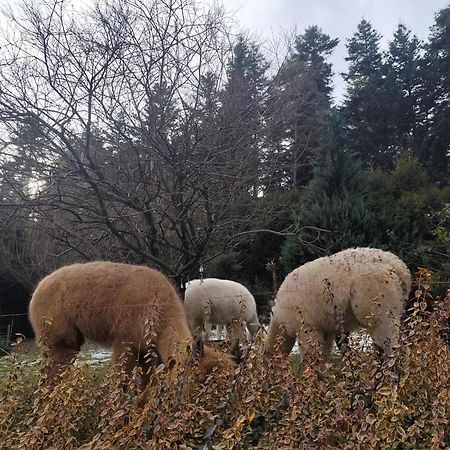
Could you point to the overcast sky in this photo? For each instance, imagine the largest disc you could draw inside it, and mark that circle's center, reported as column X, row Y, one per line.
column 338, row 18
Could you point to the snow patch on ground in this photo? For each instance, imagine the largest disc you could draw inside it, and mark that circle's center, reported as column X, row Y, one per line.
column 93, row 355
column 358, row 340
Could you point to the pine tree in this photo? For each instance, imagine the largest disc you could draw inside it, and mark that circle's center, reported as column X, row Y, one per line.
column 401, row 91
column 312, row 48
column 365, row 101
column 335, row 203
column 299, row 101
column 435, row 102
column 241, row 112
column 363, row 53
column 207, row 118
column 247, row 68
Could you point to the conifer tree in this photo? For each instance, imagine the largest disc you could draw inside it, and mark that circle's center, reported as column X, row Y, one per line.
column 435, row 102
column 299, row 101
column 242, row 105
column 312, row 48
column 335, row 203
column 364, row 106
column 401, row 91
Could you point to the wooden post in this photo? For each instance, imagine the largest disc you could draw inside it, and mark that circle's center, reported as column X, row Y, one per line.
column 9, row 333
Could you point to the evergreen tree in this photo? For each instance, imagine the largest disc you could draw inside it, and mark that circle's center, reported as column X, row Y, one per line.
column 363, row 53
column 401, row 91
column 299, row 101
column 438, row 49
column 161, row 112
column 312, row 49
column 335, row 203
column 247, row 68
column 207, row 118
column 365, row 101
column 405, row 201
column 435, row 103
column 242, row 104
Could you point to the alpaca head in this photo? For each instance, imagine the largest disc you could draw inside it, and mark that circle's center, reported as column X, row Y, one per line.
column 205, row 359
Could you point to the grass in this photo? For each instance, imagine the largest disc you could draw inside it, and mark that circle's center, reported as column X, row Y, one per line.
column 24, row 358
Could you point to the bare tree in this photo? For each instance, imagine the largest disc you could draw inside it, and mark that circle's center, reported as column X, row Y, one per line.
column 106, row 114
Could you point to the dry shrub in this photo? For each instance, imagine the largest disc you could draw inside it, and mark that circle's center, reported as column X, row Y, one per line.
column 360, row 401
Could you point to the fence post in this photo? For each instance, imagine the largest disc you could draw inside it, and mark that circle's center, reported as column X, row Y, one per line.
column 9, row 333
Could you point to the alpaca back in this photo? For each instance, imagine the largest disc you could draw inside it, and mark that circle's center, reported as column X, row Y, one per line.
column 220, row 300
column 346, row 286
column 381, row 284
column 107, row 302
column 374, row 255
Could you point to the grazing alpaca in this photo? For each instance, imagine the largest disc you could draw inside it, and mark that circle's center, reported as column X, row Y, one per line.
column 361, row 287
column 214, row 301
column 132, row 309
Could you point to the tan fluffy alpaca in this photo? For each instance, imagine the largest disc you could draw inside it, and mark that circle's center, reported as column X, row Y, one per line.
column 360, row 287
column 126, row 307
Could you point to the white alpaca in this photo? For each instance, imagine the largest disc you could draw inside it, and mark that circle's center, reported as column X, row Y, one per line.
column 355, row 288
column 214, row 301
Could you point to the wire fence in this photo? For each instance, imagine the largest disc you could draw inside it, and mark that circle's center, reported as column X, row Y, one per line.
column 14, row 315
column 213, row 298
column 6, row 333
column 269, row 294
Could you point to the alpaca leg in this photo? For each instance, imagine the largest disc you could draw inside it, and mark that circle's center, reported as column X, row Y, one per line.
column 223, row 332
column 208, row 322
column 196, row 325
column 253, row 325
column 278, row 338
column 342, row 341
column 208, row 330
column 62, row 341
column 327, row 346
column 385, row 335
column 236, row 336
column 314, row 344
column 123, row 353
column 59, row 357
column 286, row 344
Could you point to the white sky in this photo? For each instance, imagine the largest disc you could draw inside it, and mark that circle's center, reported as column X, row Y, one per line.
column 338, row 18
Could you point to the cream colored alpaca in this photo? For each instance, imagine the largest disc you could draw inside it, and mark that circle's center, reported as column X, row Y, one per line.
column 360, row 287
column 126, row 307
column 214, row 301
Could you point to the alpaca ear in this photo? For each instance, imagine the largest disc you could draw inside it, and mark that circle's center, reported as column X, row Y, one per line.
column 198, row 346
